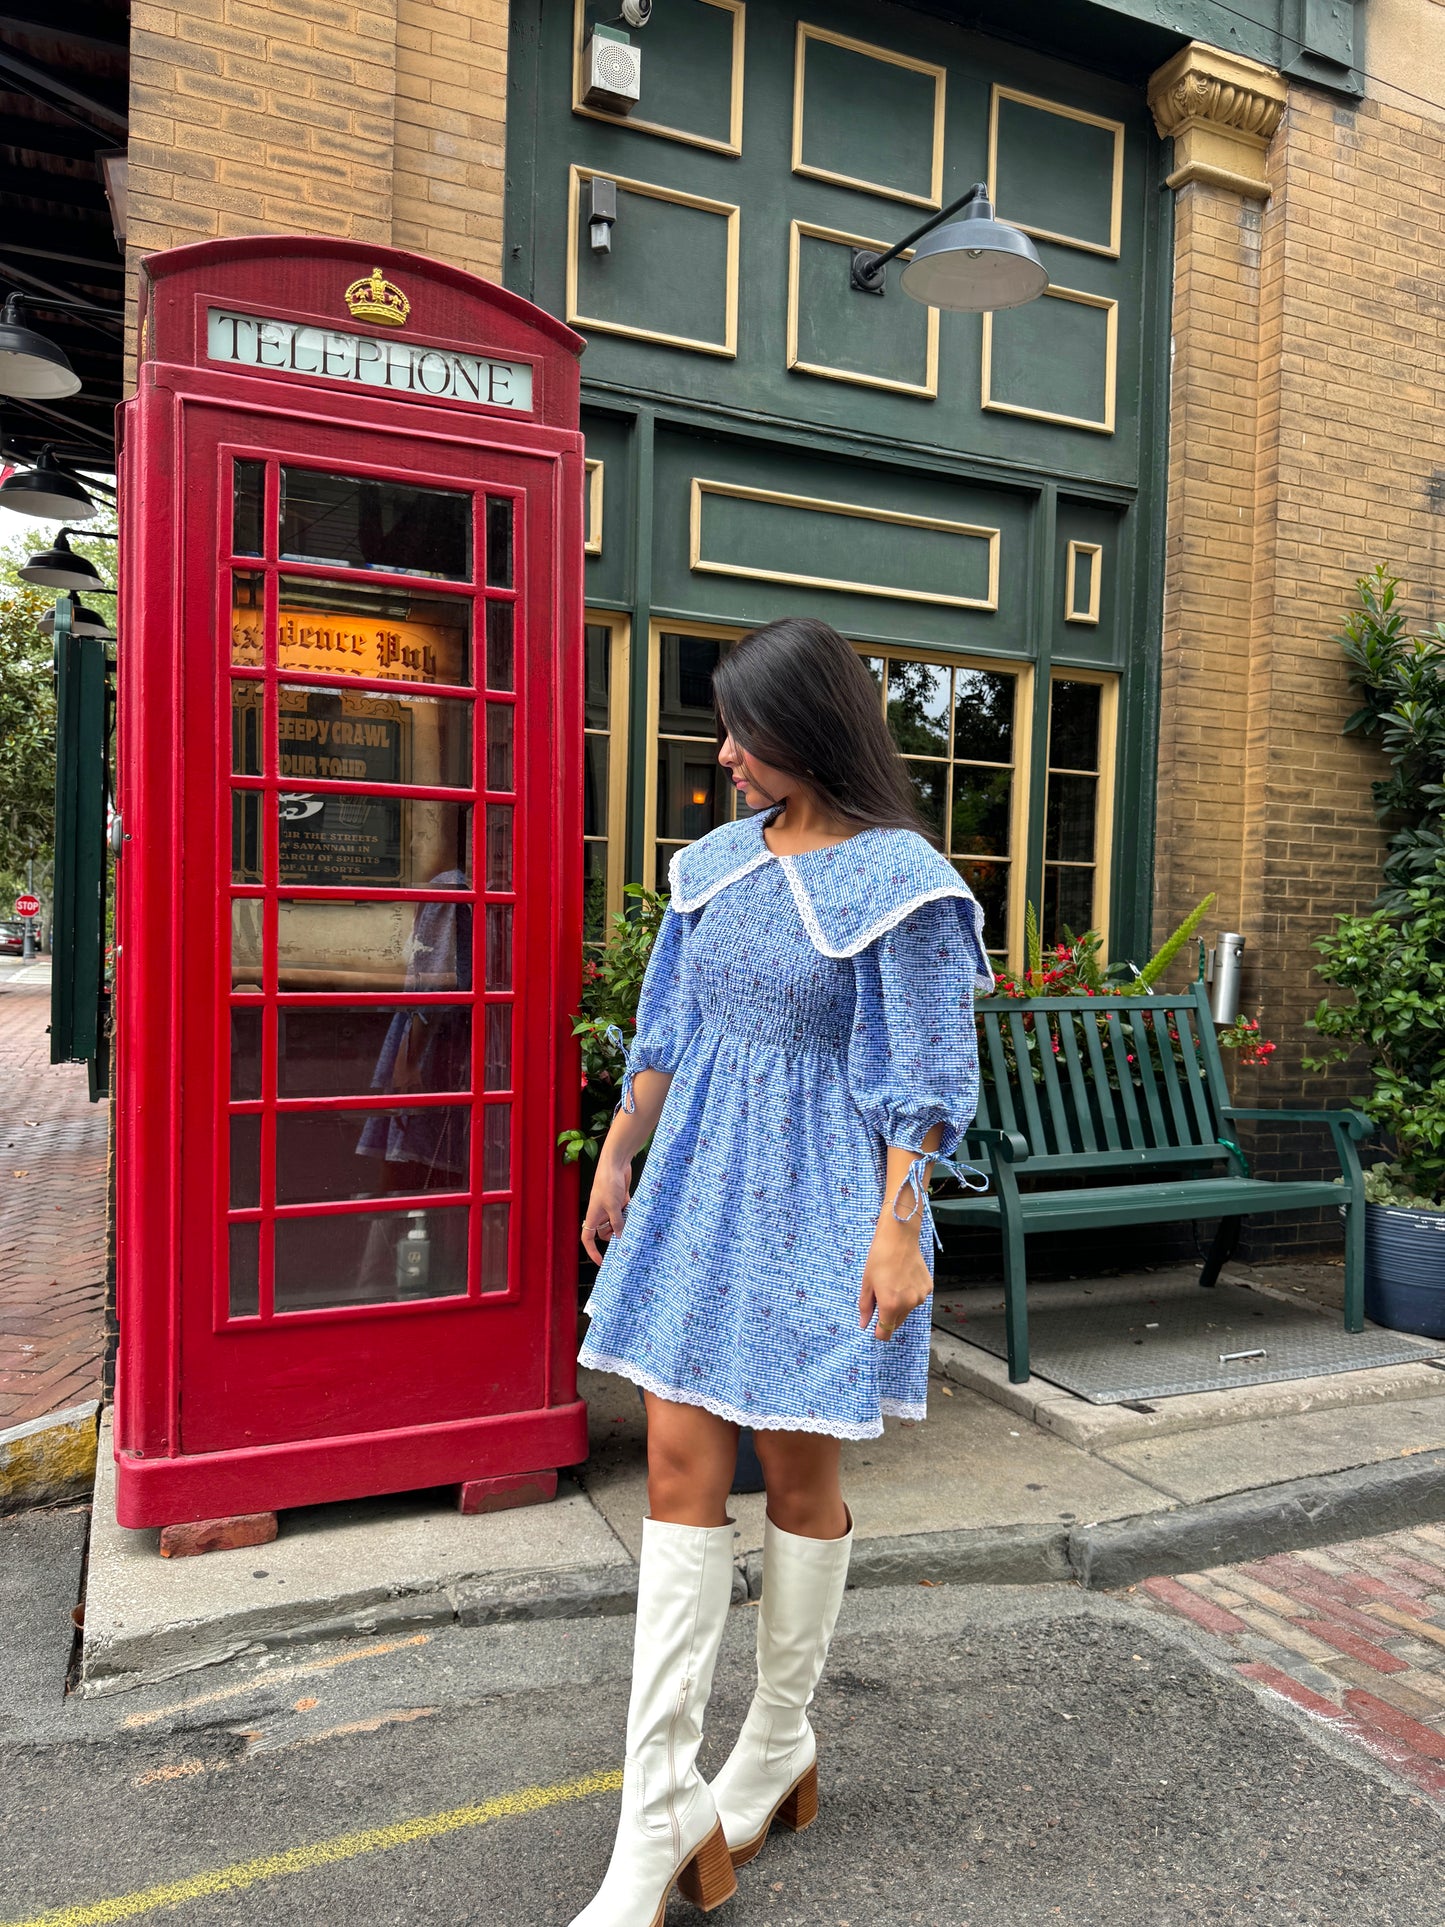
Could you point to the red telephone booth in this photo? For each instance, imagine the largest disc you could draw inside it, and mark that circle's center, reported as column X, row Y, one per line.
column 350, row 887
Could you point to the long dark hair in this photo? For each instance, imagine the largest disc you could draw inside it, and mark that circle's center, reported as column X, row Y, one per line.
column 795, row 695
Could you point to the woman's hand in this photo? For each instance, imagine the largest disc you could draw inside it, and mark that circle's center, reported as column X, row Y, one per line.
column 607, row 1205
column 896, row 1278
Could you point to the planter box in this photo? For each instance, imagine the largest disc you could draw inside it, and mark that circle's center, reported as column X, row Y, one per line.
column 1405, row 1269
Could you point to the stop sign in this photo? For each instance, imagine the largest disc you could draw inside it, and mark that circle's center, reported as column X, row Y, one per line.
column 27, row 906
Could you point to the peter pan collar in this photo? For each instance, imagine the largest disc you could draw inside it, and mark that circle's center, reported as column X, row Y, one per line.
column 847, row 895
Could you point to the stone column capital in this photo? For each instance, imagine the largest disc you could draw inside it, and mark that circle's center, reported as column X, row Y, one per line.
column 1221, row 112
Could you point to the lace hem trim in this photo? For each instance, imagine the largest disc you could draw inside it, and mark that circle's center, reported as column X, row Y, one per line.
column 758, row 1421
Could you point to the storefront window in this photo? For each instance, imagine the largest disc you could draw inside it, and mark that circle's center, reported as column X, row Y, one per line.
column 604, row 772
column 1072, row 834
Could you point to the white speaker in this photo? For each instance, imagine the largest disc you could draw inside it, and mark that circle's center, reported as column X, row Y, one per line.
column 612, row 72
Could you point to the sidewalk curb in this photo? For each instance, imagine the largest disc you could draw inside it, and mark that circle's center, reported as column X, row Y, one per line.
column 49, row 1459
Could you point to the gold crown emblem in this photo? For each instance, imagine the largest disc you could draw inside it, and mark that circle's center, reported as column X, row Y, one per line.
column 374, row 298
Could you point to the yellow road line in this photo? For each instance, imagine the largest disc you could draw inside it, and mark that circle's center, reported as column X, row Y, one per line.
column 324, row 1853
column 274, row 1676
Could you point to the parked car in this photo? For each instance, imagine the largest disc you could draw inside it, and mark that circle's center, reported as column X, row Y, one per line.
column 12, row 938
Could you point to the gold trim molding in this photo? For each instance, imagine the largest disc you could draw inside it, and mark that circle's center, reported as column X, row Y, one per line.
column 939, row 77
column 1105, row 426
column 1221, row 112
column 593, row 470
column 797, row 232
column 733, row 145
column 1090, row 611
column 1116, row 184
column 577, row 177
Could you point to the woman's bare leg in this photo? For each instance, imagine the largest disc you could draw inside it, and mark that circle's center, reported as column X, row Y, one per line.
column 804, row 1495
column 691, row 1457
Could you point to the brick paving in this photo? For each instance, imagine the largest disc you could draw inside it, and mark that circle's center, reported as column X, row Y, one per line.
column 52, row 1218
column 1354, row 1635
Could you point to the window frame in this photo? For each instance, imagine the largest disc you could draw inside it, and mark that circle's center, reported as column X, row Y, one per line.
column 619, row 686
column 1108, row 682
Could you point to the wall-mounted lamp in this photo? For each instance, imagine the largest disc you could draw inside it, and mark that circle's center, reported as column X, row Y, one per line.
column 46, row 490
column 601, row 212
column 61, row 568
column 972, row 264
column 30, row 364
column 83, row 622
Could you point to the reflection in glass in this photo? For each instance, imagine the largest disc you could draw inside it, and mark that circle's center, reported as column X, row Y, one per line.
column 1074, row 724
column 930, row 787
column 496, row 1147
column 499, row 946
column 989, row 883
column 874, row 666
column 425, row 740
column 499, row 542
column 495, row 1220
column 1068, row 902
column 918, row 707
column 246, row 836
column 323, row 1157
column 245, row 1054
column 499, row 746
column 247, row 714
column 343, row 1050
column 248, row 492
column 685, row 699
column 371, row 1258
column 375, row 946
column 245, row 1281
column 245, row 1162
column 981, row 800
column 983, row 715
column 248, row 619
column 594, row 785
column 499, row 846
column 597, row 682
column 501, row 670
column 356, row 522
column 497, row 1075
column 1073, row 807
column 357, row 629
column 246, row 943
column 693, row 791
column 373, row 841
column 594, row 890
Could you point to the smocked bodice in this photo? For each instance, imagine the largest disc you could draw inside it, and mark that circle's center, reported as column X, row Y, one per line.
column 756, row 977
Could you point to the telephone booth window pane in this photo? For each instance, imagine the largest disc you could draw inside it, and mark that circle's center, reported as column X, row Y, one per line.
column 355, row 629
column 324, row 1157
column 426, row 740
column 496, row 1147
column 354, row 522
column 499, row 846
column 246, row 836
column 497, row 1071
column 246, row 943
column 499, row 946
column 499, row 542
column 499, row 746
column 248, row 706
column 348, row 1050
column 348, row 946
column 500, row 650
column 245, row 1054
column 248, row 497
column 248, row 619
column 495, row 1221
column 245, row 1162
column 407, row 843
column 245, row 1292
column 371, row 1258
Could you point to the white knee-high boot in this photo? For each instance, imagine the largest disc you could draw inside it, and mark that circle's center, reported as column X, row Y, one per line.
column 772, row 1772
column 668, row 1831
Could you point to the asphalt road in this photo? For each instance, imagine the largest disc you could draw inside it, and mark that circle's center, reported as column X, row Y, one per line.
column 990, row 1758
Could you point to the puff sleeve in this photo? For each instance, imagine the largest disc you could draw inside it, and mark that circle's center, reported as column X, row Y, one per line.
column 913, row 1055
column 667, row 1012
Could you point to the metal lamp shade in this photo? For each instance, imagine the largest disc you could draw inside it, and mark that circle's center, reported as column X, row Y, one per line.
column 974, row 264
column 30, row 365
column 61, row 568
column 47, row 491
column 83, row 622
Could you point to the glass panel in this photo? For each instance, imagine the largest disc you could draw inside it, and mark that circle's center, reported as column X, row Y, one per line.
column 245, row 1054
column 685, row 704
column 495, row 1219
column 983, row 715
column 597, row 642
column 352, row 736
column 345, row 1050
column 989, row 883
column 981, row 799
column 500, row 626
column 497, row 1074
column 499, row 846
column 389, row 635
column 246, row 836
column 594, row 892
column 371, row 1258
column 692, row 793
column 918, row 707
column 499, row 946
column 930, row 786
column 499, row 542
column 245, row 1162
column 594, row 785
column 323, row 1157
column 246, row 943
column 358, row 523
column 245, row 1293
column 248, row 494
column 499, row 746
column 1069, row 834
column 407, row 842
column 1074, row 724
column 248, row 619
column 874, row 666
column 496, row 1147
column 247, row 714
column 375, row 946
column 1068, row 903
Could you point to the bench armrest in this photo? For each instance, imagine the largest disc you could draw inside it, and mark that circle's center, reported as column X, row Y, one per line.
column 1355, row 1122
column 1005, row 1145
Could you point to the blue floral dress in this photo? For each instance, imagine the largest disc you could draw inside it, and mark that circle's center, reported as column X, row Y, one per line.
column 811, row 1010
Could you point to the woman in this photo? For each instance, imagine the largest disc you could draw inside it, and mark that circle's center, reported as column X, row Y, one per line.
column 804, row 1051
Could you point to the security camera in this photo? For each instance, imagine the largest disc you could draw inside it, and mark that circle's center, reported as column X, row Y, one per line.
column 637, row 13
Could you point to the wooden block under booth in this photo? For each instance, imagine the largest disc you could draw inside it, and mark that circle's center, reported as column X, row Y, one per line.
column 218, row 1535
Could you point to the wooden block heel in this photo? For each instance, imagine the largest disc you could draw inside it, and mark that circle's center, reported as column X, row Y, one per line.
column 708, row 1878
column 800, row 1808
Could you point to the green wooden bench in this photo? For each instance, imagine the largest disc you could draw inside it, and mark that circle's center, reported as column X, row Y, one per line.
column 1130, row 1091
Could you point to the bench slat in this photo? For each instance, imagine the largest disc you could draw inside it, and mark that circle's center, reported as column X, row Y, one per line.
column 1120, row 1048
column 1078, row 1084
column 1002, row 1088
column 1095, row 1044
column 1195, row 1075
column 1144, row 1039
column 1058, row 1110
column 1173, row 1090
column 1027, row 1088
